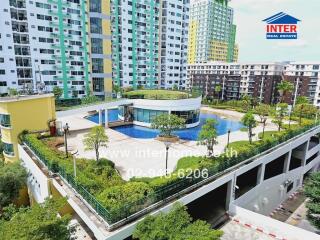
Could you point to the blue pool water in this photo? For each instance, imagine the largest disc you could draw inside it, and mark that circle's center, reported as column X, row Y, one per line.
column 187, row 134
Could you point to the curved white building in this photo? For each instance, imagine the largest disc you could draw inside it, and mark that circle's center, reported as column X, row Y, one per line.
column 142, row 111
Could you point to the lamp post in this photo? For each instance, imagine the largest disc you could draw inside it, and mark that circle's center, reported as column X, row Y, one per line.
column 74, row 163
column 66, row 130
column 229, row 131
column 167, row 144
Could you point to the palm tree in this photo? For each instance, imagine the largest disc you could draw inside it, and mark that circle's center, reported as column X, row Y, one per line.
column 283, row 88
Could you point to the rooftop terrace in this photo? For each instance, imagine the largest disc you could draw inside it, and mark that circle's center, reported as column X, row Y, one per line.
column 157, row 95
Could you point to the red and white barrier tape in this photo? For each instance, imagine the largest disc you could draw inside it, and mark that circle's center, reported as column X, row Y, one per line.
column 258, row 229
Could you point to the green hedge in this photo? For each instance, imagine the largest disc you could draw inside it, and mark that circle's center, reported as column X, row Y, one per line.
column 156, row 94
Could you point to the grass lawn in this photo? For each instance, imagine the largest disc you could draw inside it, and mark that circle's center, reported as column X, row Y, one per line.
column 156, row 94
column 241, row 146
column 269, row 135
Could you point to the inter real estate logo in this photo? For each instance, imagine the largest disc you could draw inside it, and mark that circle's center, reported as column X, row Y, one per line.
column 282, row 26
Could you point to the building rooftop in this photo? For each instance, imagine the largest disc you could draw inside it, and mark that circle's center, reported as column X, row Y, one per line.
column 24, row 97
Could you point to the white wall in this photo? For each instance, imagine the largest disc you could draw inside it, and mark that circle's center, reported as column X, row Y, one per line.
column 276, row 227
column 37, row 181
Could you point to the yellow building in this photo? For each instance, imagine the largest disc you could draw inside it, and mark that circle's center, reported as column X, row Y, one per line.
column 20, row 113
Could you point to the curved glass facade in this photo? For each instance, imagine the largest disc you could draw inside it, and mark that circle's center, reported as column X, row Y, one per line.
column 146, row 115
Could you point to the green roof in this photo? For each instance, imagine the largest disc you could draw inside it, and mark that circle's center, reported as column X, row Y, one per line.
column 156, row 94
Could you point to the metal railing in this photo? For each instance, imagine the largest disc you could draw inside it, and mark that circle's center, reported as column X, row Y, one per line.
column 178, row 186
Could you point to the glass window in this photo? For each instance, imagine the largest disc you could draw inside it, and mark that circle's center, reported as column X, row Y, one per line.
column 95, row 6
column 95, row 25
column 96, row 45
column 153, row 114
column 146, row 115
column 97, row 65
column 98, row 84
column 8, row 149
column 140, row 115
column 5, row 120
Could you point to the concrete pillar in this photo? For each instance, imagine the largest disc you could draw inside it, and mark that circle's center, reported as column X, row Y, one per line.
column 100, row 117
column 230, row 194
column 106, row 119
column 287, row 161
column 260, row 177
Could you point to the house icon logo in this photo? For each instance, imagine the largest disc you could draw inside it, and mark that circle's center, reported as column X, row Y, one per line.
column 282, row 26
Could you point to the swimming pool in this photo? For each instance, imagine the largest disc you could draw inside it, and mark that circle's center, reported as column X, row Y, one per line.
column 187, row 134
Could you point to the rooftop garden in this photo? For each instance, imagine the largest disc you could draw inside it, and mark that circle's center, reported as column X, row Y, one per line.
column 156, row 94
column 101, row 185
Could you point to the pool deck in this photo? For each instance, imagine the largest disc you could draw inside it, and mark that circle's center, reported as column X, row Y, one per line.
column 146, row 157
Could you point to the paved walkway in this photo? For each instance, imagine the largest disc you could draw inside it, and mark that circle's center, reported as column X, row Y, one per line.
column 146, row 157
column 299, row 219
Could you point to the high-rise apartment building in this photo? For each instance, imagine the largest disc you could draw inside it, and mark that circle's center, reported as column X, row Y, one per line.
column 149, row 43
column 211, row 32
column 174, row 43
column 135, row 42
column 47, row 43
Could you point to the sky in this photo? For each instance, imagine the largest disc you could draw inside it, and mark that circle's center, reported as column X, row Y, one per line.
column 251, row 31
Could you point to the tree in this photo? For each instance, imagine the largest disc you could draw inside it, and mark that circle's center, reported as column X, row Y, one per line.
column 57, row 92
column 12, row 178
column 312, row 191
column 283, row 88
column 89, row 99
column 217, row 90
column 38, row 222
column 305, row 110
column 167, row 123
column 174, row 225
column 246, row 102
column 95, row 139
column 116, row 88
column 12, row 92
column 248, row 121
column 263, row 111
column 281, row 112
column 302, row 100
column 208, row 135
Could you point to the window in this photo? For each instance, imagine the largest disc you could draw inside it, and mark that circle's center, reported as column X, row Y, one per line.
column 74, row 1
column 75, row 11
column 2, row 72
column 98, row 84
column 43, row 5
column 5, row 120
column 96, row 45
column 46, row 51
column 95, row 6
column 44, row 17
column 8, row 149
column 95, row 25
column 97, row 65
column 44, row 29
column 1, row 60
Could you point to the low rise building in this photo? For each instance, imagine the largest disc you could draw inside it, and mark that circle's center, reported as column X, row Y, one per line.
column 258, row 80
column 305, row 76
column 20, row 113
